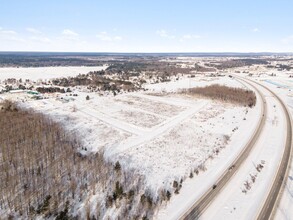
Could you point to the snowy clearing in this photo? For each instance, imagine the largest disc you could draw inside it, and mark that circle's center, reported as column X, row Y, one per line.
column 165, row 137
column 239, row 131
column 36, row 73
column 198, row 81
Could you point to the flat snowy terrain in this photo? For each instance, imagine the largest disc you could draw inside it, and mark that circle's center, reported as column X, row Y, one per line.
column 35, row 73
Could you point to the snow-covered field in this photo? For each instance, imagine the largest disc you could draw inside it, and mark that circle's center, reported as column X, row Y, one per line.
column 187, row 83
column 239, row 131
column 165, row 136
column 36, row 73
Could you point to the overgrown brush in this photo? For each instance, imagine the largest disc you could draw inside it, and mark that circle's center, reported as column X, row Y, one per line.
column 225, row 93
column 7, row 106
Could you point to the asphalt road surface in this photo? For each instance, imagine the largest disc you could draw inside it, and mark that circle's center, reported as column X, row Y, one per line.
column 195, row 211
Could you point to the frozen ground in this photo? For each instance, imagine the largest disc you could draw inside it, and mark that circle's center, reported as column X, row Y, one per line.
column 187, row 145
column 164, row 137
column 217, row 120
column 197, row 81
column 35, row 73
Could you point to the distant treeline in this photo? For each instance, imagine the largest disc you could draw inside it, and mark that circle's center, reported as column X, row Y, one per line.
column 238, row 63
column 13, row 60
column 96, row 81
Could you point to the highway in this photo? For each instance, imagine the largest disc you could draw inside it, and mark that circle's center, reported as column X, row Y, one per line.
column 267, row 209
column 200, row 205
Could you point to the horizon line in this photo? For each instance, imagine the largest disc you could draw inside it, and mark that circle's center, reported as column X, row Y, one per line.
column 182, row 52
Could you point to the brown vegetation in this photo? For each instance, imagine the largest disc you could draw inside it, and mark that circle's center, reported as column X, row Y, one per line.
column 50, row 89
column 227, row 94
column 96, row 81
column 202, row 69
column 42, row 172
column 7, row 105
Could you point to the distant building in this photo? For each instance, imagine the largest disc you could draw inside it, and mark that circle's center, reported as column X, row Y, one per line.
column 32, row 92
column 16, row 91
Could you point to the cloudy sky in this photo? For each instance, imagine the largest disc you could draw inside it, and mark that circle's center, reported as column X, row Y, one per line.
column 146, row 25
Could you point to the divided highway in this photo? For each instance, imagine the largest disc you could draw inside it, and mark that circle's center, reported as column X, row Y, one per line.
column 268, row 207
column 195, row 211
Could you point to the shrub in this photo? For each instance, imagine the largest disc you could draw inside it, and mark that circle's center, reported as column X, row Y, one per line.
column 8, row 105
column 118, row 191
column 117, row 166
column 175, row 184
column 168, row 195
column 109, row 201
column 191, row 175
column 130, row 194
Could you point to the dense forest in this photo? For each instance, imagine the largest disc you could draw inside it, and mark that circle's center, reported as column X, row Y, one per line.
column 43, row 173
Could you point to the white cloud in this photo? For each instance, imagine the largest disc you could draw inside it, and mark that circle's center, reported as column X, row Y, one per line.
column 10, row 35
column 255, row 29
column 164, row 34
column 104, row 36
column 68, row 34
column 33, row 31
column 7, row 32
